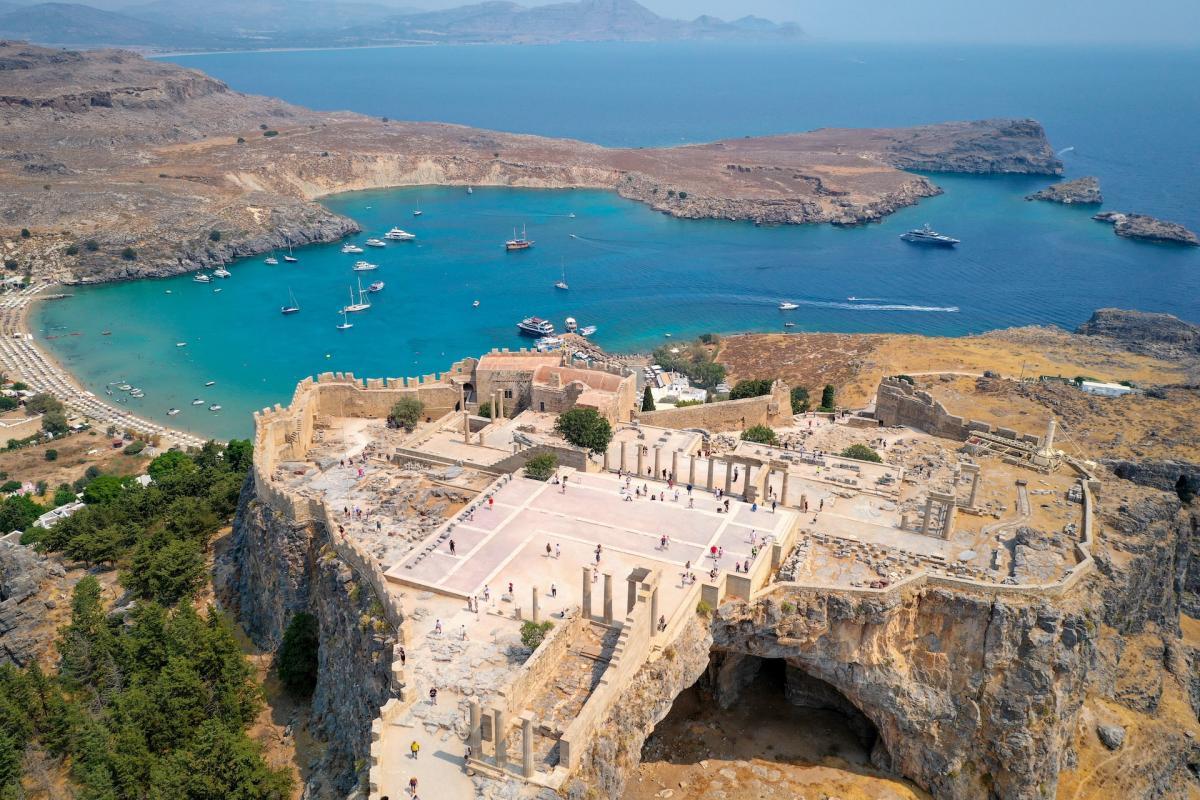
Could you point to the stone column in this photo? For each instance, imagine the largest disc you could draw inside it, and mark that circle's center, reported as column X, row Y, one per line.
column 535, row 605
column 500, row 397
column 783, row 493
column 711, row 467
column 746, row 485
column 675, row 465
column 657, row 464
column 527, row 745
column 499, row 731
column 654, row 610
column 974, row 470
column 622, row 456
column 473, row 737
column 928, row 514
column 608, row 615
column 641, row 456
column 494, row 414
column 728, row 477
column 587, row 593
column 692, row 470
column 606, row 459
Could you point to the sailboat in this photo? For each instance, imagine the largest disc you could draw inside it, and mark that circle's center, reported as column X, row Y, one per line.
column 362, row 305
column 562, row 284
column 417, row 211
column 291, row 259
column 345, row 323
column 518, row 242
column 292, row 306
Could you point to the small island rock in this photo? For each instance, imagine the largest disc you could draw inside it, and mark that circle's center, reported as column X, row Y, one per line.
column 1141, row 226
column 1084, row 190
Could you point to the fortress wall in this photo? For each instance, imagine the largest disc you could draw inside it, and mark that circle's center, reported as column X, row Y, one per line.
column 898, row 402
column 345, row 396
column 772, row 410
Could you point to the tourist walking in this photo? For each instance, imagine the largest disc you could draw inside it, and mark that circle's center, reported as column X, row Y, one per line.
column 437, row 627
column 433, row 695
column 451, row 547
column 403, row 657
column 557, row 550
column 412, row 786
column 415, row 749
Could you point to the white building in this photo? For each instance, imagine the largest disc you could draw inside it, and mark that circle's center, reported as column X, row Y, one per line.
column 1105, row 389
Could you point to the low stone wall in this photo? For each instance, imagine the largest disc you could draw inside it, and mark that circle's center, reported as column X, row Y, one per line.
column 898, row 402
column 772, row 410
column 541, row 667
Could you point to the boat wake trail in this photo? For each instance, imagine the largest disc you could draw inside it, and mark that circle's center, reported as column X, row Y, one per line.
column 859, row 306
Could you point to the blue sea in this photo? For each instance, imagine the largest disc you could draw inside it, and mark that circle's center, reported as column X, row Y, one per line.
column 1127, row 116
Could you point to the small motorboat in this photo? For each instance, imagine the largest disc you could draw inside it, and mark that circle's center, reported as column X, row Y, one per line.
column 351, row 248
column 218, row 289
column 475, row 304
column 364, row 266
column 789, row 324
column 786, row 306
column 106, row 333
column 377, row 286
column 470, row 190
column 221, row 272
column 376, row 243
column 587, row 330
column 197, row 402
column 210, row 383
column 172, row 412
column 272, row 260
column 181, row 344
column 124, row 387
column 201, row 277
column 215, row 407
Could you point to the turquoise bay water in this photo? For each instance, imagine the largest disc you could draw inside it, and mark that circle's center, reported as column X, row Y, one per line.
column 637, row 274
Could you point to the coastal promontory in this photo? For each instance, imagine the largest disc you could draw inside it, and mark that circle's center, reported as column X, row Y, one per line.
column 1082, row 191
column 1151, row 229
column 120, row 167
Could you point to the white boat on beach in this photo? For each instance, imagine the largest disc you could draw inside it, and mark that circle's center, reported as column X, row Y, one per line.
column 364, row 266
column 399, row 235
column 351, row 248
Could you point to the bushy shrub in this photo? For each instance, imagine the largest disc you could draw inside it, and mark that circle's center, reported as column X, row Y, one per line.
column 533, row 633
column 760, row 434
column 541, row 467
column 860, row 452
column 129, row 254
column 51, row 455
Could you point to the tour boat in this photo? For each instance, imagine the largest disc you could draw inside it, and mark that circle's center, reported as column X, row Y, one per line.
column 400, row 235
column 377, row 286
column 351, row 248
column 364, row 266
column 361, row 305
column 292, row 306
column 562, row 282
column 571, row 325
column 518, row 242
column 272, row 260
column 786, row 306
column 202, row 278
column 536, row 326
column 373, row 242
column 172, row 412
column 221, row 272
column 345, row 323
column 587, row 330
column 214, row 407
column 197, row 402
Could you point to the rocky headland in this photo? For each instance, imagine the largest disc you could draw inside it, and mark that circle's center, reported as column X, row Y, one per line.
column 1158, row 335
column 120, row 168
column 1147, row 228
column 1080, row 191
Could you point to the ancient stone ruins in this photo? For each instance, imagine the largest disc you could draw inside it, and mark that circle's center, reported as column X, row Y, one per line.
column 933, row 594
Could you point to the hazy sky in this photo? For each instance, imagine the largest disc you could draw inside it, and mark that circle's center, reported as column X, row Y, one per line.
column 1176, row 21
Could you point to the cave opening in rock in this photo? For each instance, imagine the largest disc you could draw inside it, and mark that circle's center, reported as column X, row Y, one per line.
column 766, row 718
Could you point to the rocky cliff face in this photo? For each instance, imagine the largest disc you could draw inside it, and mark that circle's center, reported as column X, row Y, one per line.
column 1152, row 334
column 23, row 605
column 275, row 569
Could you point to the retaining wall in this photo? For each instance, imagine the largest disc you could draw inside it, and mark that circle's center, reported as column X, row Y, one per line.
column 772, row 410
column 898, row 402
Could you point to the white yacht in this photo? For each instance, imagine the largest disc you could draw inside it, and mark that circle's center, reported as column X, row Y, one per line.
column 221, row 272
column 272, row 260
column 214, row 407
column 364, row 266
column 373, row 242
column 202, row 277
column 172, row 412
column 587, row 330
column 399, row 235
column 786, row 306
column 351, row 248
column 475, row 304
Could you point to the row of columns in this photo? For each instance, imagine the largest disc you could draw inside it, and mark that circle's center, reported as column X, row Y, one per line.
column 945, row 505
column 499, row 736
column 710, row 484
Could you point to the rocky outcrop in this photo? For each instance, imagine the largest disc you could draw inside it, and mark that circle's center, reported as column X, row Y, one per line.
column 1017, row 146
column 276, row 569
column 1080, row 191
column 1147, row 228
column 23, row 607
column 1157, row 335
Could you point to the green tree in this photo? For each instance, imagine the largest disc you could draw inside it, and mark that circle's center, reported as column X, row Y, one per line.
column 861, row 452
column 584, row 427
column 750, row 388
column 164, row 572
column 63, row 494
column 8, row 403
column 760, row 434
column 55, row 422
column 43, row 403
column 406, row 412
column 533, row 633
column 170, row 465
column 72, row 249
column 50, row 455
column 828, row 398
column 106, row 489
column 541, row 467
column 647, row 399
column 17, row 512
column 800, row 400
column 297, row 657
column 25, row 234
column 239, row 455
